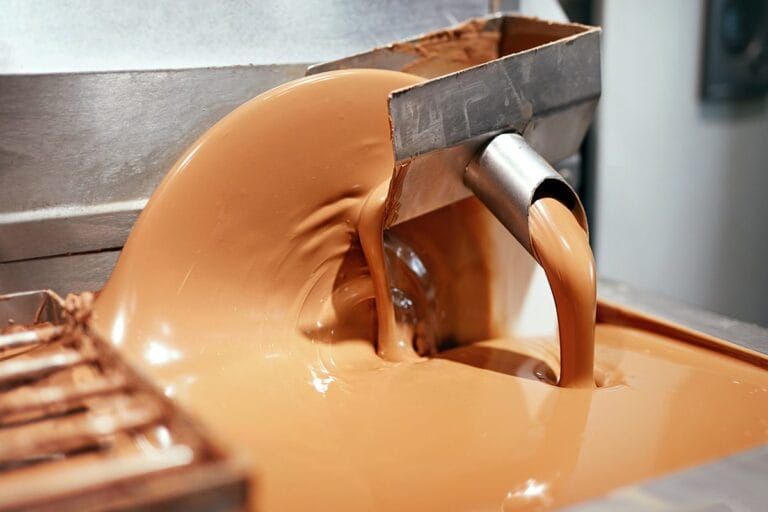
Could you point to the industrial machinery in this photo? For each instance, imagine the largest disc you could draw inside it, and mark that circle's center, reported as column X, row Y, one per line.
column 82, row 152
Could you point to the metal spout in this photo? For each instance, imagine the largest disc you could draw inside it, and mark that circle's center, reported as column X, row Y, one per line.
column 457, row 133
column 508, row 176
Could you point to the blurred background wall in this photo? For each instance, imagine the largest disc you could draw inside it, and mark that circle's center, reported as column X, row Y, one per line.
column 681, row 203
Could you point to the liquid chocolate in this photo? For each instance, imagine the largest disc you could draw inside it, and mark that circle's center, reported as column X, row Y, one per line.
column 395, row 340
column 246, row 290
column 562, row 248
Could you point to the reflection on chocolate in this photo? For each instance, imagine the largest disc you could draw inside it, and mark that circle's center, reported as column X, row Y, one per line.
column 244, row 291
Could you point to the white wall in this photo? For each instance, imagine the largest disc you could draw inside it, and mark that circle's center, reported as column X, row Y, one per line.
column 682, row 198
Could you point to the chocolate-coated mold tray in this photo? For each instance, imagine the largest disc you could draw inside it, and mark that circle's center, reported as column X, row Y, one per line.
column 81, row 430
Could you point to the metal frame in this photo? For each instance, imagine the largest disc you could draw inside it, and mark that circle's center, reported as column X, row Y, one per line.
column 750, row 336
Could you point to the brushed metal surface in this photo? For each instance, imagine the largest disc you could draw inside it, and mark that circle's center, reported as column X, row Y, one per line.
column 81, row 153
column 747, row 335
column 503, row 95
column 66, row 229
column 535, row 77
column 508, row 176
column 62, row 274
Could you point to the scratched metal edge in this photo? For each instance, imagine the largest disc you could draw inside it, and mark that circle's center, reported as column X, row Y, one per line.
column 62, row 274
column 751, row 336
column 517, row 117
column 584, row 43
column 25, row 236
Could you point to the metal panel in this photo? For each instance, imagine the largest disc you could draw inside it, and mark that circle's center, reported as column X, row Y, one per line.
column 66, row 229
column 80, row 153
column 503, row 95
column 65, row 274
column 747, row 335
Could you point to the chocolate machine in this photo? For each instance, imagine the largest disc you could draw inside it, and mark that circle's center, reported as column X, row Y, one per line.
column 80, row 153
